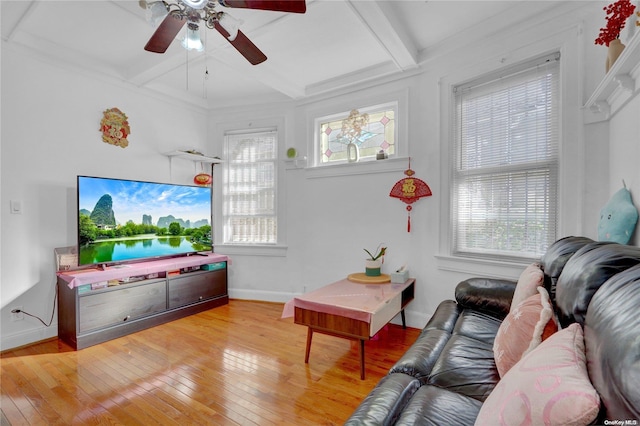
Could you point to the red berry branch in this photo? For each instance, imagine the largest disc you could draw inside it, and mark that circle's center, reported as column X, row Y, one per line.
column 617, row 14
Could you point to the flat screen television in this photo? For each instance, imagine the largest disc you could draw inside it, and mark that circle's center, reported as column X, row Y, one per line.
column 122, row 221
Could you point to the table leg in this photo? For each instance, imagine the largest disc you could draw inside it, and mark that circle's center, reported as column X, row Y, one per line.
column 309, row 337
column 362, row 359
column 404, row 322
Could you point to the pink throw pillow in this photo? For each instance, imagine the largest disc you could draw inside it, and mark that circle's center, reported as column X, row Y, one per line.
column 530, row 279
column 523, row 329
column 548, row 386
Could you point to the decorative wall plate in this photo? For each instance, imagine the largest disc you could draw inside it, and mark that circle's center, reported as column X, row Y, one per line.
column 115, row 127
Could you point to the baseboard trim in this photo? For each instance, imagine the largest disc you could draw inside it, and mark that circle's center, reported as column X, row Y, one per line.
column 29, row 337
column 414, row 318
column 261, row 295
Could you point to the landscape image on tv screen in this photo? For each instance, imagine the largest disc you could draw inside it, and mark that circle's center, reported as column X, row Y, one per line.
column 124, row 220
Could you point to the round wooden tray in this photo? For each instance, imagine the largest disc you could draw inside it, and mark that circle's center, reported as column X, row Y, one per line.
column 362, row 278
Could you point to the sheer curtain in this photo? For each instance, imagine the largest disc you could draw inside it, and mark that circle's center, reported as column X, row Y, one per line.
column 249, row 206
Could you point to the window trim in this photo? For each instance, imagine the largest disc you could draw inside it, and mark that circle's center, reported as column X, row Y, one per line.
column 338, row 116
column 571, row 145
column 346, row 103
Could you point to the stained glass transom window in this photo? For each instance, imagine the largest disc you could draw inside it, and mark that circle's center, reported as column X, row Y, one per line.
column 378, row 133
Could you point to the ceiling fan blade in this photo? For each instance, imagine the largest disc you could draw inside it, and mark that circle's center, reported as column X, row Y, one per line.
column 292, row 6
column 165, row 33
column 243, row 45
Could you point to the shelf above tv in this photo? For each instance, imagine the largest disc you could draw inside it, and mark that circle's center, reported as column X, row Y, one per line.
column 193, row 157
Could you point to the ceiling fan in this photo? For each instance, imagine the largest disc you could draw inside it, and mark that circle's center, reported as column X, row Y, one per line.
column 194, row 12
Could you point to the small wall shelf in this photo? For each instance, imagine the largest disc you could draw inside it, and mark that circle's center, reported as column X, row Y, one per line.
column 618, row 87
column 193, row 157
column 196, row 158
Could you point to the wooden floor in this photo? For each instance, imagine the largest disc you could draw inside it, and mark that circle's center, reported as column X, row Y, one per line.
column 236, row 364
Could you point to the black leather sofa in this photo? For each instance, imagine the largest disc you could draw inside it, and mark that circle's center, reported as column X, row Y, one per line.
column 447, row 374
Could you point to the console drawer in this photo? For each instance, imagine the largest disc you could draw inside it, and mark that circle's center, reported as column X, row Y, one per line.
column 196, row 287
column 118, row 305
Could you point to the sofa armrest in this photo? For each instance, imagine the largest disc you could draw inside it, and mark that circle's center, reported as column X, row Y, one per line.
column 385, row 402
column 489, row 295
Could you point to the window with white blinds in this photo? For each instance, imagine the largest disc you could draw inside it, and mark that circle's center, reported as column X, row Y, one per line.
column 505, row 162
column 249, row 191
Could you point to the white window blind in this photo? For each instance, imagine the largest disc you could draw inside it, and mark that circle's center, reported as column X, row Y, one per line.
column 249, row 206
column 505, row 162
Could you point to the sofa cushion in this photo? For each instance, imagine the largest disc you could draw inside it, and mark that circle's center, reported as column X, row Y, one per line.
column 612, row 337
column 445, row 317
column 466, row 366
column 385, row 402
column 557, row 256
column 588, row 269
column 549, row 385
column 530, row 279
column 491, row 296
column 526, row 326
column 419, row 359
column 434, row 406
column 477, row 325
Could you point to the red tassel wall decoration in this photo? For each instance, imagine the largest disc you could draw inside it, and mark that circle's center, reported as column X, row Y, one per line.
column 410, row 190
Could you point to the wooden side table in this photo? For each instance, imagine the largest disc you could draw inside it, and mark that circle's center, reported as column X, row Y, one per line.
column 351, row 310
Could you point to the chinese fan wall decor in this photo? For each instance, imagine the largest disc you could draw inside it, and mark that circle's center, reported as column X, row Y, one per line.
column 409, row 190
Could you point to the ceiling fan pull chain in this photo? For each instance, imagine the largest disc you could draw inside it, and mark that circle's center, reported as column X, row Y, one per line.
column 204, row 81
column 187, row 70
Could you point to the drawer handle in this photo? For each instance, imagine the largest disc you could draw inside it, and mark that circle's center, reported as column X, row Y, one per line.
column 126, row 318
column 200, row 298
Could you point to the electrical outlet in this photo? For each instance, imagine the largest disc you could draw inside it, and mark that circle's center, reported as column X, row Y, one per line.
column 17, row 314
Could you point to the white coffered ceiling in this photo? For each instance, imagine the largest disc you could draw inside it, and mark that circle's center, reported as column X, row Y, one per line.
column 336, row 43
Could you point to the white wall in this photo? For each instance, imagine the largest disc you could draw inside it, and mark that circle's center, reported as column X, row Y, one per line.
column 624, row 158
column 613, row 146
column 50, row 134
column 331, row 219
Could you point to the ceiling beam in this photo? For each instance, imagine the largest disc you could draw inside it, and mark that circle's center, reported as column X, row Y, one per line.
column 29, row 8
column 379, row 19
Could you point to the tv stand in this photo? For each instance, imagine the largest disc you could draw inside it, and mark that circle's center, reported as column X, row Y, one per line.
column 96, row 305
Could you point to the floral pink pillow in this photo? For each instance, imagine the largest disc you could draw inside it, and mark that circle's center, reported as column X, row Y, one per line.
column 549, row 385
column 530, row 279
column 524, row 328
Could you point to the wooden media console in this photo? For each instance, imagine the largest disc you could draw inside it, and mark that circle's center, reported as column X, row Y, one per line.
column 98, row 305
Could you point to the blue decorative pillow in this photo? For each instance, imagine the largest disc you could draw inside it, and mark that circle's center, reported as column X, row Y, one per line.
column 618, row 218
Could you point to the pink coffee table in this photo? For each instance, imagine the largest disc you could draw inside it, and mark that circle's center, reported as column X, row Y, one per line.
column 350, row 310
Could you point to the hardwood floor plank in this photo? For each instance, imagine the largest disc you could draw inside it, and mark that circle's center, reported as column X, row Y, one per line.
column 238, row 364
column 14, row 405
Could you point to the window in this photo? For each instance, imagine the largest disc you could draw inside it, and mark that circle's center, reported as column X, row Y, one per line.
column 249, row 187
column 505, row 162
column 377, row 132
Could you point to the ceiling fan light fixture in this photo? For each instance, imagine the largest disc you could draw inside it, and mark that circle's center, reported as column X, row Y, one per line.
column 192, row 39
column 195, row 4
column 230, row 24
column 156, row 12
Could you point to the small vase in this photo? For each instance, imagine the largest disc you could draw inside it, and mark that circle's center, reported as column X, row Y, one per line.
column 615, row 49
column 353, row 153
column 372, row 267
